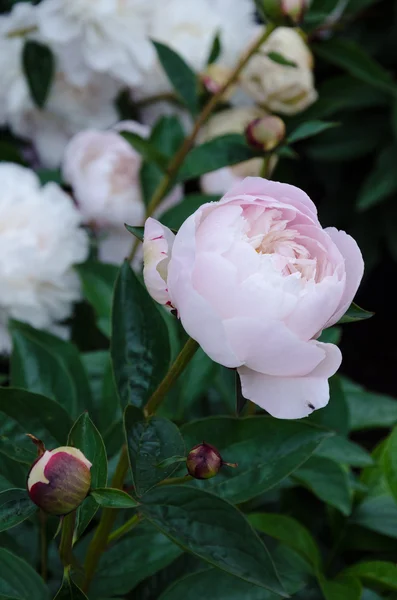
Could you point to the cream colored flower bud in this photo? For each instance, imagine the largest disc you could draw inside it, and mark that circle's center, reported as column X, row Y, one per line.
column 265, row 133
column 285, row 89
column 214, row 77
column 294, row 9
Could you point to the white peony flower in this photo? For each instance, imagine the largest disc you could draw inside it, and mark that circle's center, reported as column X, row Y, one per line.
column 69, row 107
column 40, row 241
column 111, row 34
column 189, row 28
column 233, row 120
column 104, row 172
column 281, row 88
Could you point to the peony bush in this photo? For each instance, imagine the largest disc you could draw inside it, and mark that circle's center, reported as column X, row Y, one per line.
column 192, row 195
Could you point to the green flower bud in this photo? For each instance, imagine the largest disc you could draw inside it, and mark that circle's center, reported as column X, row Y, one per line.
column 265, row 133
column 59, row 480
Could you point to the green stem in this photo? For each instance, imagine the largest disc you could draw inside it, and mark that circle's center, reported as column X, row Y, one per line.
column 188, row 142
column 43, row 544
column 126, row 528
column 99, row 541
column 266, row 167
column 66, row 544
column 181, row 361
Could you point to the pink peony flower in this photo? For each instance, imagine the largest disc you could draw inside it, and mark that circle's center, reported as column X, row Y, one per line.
column 255, row 279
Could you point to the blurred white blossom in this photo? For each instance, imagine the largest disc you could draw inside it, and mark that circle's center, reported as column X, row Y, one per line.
column 68, row 109
column 40, row 241
column 281, row 88
column 189, row 27
column 103, row 170
column 112, row 34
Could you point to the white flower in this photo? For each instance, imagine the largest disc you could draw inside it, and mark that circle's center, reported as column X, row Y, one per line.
column 111, row 34
column 189, row 27
column 69, row 107
column 68, row 110
column 233, row 120
column 281, row 88
column 40, row 241
column 104, row 172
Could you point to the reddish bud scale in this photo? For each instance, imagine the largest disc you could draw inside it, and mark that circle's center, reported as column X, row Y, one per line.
column 62, row 485
column 203, row 461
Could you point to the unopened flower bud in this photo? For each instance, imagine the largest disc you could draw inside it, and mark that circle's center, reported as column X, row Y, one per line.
column 59, row 480
column 265, row 133
column 204, row 461
column 282, row 11
column 294, row 9
column 214, row 77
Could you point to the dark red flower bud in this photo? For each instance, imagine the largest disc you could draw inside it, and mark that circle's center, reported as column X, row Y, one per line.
column 204, row 461
column 59, row 480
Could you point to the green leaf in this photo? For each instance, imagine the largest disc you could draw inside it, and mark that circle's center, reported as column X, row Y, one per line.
column 215, row 50
column 113, row 498
column 136, row 231
column 350, row 140
column 328, row 481
column 214, row 530
column 98, row 280
column 344, row 92
column 355, row 313
column 11, row 153
column 379, row 573
column 344, row 588
column 369, row 410
column 290, row 532
column 37, row 414
column 39, row 67
column 167, row 135
column 195, row 586
column 140, row 346
column 45, row 364
column 343, row 451
column 222, row 151
column 69, row 590
column 138, row 555
column 267, row 451
column 147, row 150
column 195, row 380
column 150, row 442
column 222, row 586
column 381, row 183
column 19, row 580
column 15, row 507
column 181, row 76
column 85, row 436
column 281, row 60
column 175, row 216
column 379, row 514
column 332, row 335
column 309, row 129
column 389, row 462
column 352, row 58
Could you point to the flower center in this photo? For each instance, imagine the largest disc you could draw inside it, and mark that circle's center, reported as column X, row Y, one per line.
column 290, row 254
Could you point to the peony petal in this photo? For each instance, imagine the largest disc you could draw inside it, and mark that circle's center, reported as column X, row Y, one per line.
column 157, row 244
column 271, row 348
column 292, row 397
column 197, row 315
column 283, row 192
column 354, row 267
